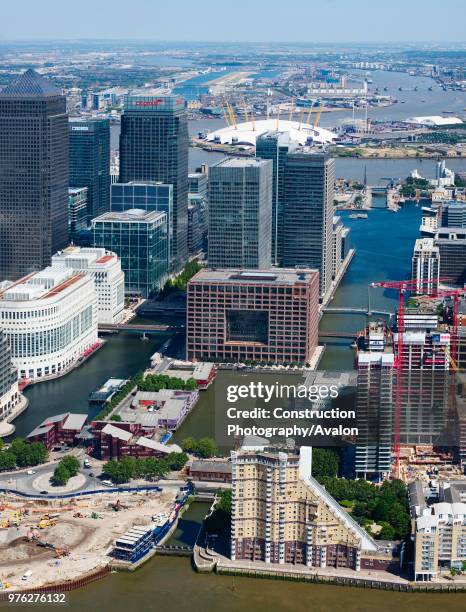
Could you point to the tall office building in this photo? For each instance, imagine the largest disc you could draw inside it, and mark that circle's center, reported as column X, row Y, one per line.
column 139, row 238
column 308, row 211
column 90, row 162
column 33, row 174
column 275, row 146
column 426, row 266
column 253, row 315
column 145, row 196
column 154, row 146
column 281, row 514
column 240, row 213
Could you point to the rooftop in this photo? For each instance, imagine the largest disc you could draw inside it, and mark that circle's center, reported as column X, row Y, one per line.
column 241, row 162
column 39, row 285
column 279, row 276
column 133, row 215
column 30, row 84
column 247, row 132
column 82, row 258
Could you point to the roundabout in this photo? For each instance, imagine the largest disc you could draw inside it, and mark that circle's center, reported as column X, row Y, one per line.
column 43, row 483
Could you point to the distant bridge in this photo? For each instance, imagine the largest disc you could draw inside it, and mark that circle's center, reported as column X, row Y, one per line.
column 138, row 328
column 350, row 335
column 364, row 311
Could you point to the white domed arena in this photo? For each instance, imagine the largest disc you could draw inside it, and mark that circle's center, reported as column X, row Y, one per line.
column 246, row 133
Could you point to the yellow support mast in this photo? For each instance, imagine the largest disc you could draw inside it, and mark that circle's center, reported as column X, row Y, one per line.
column 225, row 116
column 278, row 117
column 232, row 115
column 292, row 107
column 317, row 117
column 308, row 118
column 301, row 118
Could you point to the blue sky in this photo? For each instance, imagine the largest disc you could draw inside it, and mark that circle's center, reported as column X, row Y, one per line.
column 236, row 20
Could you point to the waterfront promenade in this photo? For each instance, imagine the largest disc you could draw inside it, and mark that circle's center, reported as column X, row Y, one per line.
column 206, row 560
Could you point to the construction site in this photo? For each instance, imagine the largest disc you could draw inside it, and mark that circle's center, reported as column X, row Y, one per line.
column 46, row 542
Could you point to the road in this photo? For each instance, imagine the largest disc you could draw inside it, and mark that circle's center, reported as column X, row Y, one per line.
column 23, row 483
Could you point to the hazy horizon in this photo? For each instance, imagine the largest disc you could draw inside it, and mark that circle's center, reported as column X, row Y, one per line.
column 261, row 21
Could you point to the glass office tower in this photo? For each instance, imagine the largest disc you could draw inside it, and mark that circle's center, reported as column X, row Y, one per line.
column 90, row 162
column 139, row 238
column 154, row 146
column 275, row 146
column 146, row 196
column 240, row 213
column 33, row 175
column 308, row 212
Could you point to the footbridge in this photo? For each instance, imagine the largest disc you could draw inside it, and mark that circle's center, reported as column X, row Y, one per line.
column 364, row 311
column 138, row 328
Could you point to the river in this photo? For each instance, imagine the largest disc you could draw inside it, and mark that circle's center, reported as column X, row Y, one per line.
column 169, row 583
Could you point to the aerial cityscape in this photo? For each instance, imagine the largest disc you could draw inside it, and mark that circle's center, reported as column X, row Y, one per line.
column 233, row 306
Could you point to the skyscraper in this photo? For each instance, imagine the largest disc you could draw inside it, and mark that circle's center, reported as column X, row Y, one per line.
column 308, row 212
column 90, row 162
column 240, row 213
column 154, row 146
column 275, row 146
column 33, row 175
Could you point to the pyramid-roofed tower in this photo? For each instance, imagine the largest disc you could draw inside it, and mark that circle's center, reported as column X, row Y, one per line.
column 30, row 83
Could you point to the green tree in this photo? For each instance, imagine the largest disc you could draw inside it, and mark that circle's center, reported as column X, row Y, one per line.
column 7, row 460
column 189, row 445
column 399, row 520
column 71, row 464
column 176, row 461
column 207, row 447
column 325, row 462
column 60, row 475
column 387, row 532
column 190, row 385
column 224, row 501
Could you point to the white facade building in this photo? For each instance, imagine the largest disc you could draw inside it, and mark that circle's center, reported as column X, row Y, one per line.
column 426, row 266
column 49, row 319
column 104, row 268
